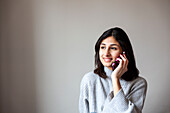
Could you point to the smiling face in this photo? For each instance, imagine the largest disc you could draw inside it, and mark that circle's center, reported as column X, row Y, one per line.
column 109, row 50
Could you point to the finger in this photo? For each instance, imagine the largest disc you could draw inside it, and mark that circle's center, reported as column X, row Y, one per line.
column 122, row 56
column 124, row 61
column 123, row 52
column 120, row 66
column 120, row 61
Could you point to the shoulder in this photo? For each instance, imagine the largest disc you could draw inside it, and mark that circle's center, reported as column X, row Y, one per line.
column 139, row 82
column 89, row 77
column 88, row 81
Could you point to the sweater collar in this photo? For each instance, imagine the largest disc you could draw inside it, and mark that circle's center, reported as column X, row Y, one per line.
column 108, row 71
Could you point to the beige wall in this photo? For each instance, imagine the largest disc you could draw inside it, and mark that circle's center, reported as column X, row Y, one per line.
column 47, row 46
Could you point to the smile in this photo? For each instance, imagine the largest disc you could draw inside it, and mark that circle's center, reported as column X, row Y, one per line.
column 107, row 59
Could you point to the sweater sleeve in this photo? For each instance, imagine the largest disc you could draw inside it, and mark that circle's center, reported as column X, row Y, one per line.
column 132, row 103
column 83, row 98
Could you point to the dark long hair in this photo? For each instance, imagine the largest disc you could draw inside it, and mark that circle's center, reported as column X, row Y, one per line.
column 120, row 35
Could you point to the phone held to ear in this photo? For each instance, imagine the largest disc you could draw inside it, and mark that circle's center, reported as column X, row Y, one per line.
column 116, row 63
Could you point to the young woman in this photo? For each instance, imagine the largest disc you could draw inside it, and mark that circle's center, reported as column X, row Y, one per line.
column 113, row 90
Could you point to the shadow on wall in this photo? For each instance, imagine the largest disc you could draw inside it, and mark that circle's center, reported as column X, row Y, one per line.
column 17, row 68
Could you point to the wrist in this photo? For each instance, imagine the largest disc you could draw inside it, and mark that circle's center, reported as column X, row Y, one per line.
column 116, row 85
column 115, row 77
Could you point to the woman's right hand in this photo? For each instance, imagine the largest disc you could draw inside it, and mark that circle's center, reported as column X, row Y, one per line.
column 121, row 68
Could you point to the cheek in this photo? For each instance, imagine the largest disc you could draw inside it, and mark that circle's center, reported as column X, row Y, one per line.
column 115, row 55
column 100, row 53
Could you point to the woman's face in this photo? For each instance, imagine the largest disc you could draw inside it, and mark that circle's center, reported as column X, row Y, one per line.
column 109, row 50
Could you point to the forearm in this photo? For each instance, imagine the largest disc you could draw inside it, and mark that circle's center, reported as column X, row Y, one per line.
column 129, row 101
column 118, row 72
column 116, row 85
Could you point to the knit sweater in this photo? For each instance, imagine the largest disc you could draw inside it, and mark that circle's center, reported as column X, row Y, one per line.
column 96, row 94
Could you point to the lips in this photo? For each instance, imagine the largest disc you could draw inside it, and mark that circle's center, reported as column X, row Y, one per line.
column 107, row 59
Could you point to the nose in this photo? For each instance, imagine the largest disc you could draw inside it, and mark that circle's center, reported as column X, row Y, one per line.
column 107, row 52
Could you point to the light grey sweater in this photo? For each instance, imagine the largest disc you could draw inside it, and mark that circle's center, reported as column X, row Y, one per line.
column 96, row 95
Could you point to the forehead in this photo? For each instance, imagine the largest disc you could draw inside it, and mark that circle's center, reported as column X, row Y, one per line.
column 110, row 40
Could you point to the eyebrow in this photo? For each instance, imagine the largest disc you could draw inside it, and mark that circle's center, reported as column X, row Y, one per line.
column 110, row 44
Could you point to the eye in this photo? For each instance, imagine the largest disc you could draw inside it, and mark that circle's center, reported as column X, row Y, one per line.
column 113, row 48
column 102, row 47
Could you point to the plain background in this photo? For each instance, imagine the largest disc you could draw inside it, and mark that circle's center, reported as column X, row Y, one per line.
column 46, row 47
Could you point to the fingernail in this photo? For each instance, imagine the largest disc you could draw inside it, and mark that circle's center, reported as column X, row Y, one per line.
column 113, row 64
column 123, row 52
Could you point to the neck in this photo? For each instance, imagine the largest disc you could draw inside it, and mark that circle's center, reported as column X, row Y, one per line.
column 110, row 68
column 108, row 71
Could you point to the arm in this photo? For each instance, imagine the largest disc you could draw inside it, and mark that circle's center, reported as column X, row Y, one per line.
column 120, row 103
column 132, row 103
column 117, row 101
column 118, row 72
column 83, row 99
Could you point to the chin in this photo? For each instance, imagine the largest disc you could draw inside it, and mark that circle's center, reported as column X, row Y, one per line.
column 107, row 64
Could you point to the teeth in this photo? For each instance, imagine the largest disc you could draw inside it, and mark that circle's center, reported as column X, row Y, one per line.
column 107, row 59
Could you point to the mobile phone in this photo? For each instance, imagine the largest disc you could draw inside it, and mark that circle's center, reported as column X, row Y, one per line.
column 116, row 63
